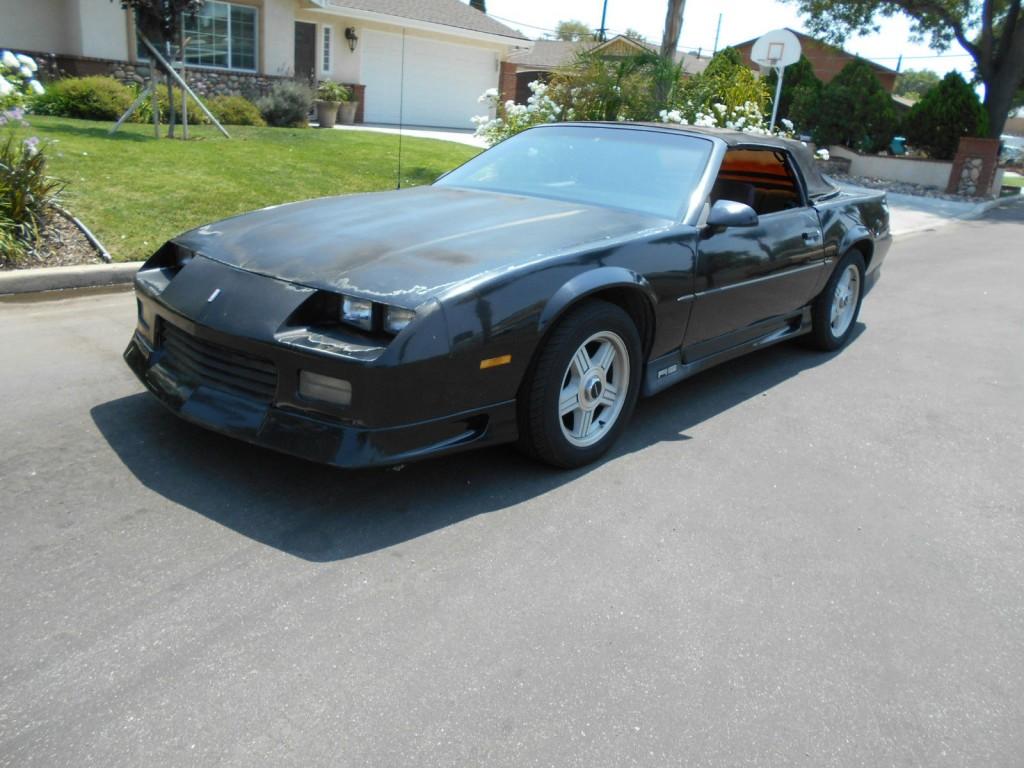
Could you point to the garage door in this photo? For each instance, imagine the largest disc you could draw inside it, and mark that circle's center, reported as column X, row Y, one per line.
column 442, row 80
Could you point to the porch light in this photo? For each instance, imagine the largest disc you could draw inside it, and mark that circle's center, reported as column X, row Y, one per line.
column 352, row 37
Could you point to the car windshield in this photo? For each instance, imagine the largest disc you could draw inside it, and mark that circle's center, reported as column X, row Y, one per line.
column 652, row 172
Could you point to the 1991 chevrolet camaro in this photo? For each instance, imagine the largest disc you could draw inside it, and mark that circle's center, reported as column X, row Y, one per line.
column 531, row 294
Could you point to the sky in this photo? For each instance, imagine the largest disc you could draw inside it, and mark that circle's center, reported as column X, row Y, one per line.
column 741, row 20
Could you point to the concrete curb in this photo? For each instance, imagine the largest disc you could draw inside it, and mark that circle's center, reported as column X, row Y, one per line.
column 63, row 278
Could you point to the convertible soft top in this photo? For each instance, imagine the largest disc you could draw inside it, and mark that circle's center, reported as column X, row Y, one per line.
column 819, row 186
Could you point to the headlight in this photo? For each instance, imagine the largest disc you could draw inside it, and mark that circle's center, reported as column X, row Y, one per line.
column 358, row 312
column 396, row 318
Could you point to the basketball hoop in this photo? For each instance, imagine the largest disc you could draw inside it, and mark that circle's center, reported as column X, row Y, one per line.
column 776, row 50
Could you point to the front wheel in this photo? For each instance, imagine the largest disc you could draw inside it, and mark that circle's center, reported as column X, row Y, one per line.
column 834, row 313
column 583, row 387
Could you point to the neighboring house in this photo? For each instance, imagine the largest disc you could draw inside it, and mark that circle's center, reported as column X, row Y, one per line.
column 826, row 60
column 425, row 62
column 546, row 56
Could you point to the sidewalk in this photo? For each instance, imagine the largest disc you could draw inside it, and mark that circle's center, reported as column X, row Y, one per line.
column 910, row 213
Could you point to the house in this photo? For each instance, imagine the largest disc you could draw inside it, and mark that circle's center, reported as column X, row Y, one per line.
column 826, row 60
column 424, row 62
column 546, row 56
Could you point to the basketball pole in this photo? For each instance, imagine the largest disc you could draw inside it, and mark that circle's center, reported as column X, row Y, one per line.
column 779, row 70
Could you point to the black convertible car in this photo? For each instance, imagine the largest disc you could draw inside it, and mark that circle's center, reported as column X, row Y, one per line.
column 532, row 294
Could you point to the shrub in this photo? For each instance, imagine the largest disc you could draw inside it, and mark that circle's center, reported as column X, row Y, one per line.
column 26, row 191
column 594, row 87
column 235, row 110
column 948, row 112
column 511, row 118
column 329, row 90
column 144, row 112
column 726, row 94
column 17, row 80
column 855, row 110
column 287, row 104
column 88, row 98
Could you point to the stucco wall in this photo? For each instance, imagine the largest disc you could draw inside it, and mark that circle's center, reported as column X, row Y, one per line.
column 38, row 25
column 95, row 28
column 929, row 173
column 102, row 29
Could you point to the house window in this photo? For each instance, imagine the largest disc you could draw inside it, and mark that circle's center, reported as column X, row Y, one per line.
column 221, row 35
column 326, row 64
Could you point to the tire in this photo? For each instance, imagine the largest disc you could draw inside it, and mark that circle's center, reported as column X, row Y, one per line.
column 834, row 313
column 594, row 356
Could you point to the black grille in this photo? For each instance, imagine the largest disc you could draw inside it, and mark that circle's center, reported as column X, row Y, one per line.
column 200, row 362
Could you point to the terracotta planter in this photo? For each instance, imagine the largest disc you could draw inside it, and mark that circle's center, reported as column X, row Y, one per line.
column 348, row 112
column 327, row 113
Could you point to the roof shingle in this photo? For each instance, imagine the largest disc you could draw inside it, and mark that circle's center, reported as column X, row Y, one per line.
column 451, row 13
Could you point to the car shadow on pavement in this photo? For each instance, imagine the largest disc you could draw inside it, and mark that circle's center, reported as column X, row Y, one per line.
column 324, row 514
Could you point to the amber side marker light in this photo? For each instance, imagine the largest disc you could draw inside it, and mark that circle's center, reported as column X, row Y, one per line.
column 494, row 362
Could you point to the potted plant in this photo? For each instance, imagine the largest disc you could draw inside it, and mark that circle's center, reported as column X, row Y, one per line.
column 348, row 108
column 329, row 96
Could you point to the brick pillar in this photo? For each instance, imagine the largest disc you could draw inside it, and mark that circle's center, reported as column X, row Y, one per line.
column 507, row 82
column 359, row 92
column 974, row 167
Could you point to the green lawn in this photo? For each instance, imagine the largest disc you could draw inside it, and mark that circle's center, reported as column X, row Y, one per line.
column 1013, row 181
column 135, row 191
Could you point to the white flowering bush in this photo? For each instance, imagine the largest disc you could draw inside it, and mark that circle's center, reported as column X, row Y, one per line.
column 746, row 117
column 510, row 118
column 17, row 79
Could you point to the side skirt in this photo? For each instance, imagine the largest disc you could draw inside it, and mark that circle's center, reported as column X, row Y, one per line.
column 662, row 372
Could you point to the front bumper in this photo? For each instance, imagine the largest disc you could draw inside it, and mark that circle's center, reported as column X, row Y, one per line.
column 308, row 435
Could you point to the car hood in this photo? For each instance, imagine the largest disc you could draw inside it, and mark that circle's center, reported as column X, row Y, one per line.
column 406, row 246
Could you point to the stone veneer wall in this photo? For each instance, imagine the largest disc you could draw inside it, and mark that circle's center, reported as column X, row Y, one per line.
column 205, row 82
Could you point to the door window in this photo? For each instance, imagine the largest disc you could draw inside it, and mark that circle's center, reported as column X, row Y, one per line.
column 760, row 178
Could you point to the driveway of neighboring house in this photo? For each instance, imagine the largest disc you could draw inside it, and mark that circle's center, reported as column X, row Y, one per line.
column 444, row 134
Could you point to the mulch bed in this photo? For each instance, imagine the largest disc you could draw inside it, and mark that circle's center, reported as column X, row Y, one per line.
column 62, row 245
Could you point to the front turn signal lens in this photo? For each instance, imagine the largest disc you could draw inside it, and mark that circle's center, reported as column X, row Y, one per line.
column 396, row 318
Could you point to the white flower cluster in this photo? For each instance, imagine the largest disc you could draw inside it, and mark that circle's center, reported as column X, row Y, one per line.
column 17, row 78
column 746, row 117
column 822, row 154
column 511, row 118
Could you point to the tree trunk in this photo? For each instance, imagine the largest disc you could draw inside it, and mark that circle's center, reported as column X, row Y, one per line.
column 669, row 44
column 673, row 26
column 998, row 99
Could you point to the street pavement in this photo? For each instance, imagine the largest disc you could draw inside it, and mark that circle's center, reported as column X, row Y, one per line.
column 795, row 559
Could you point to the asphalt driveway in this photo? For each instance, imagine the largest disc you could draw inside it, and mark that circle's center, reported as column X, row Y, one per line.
column 793, row 559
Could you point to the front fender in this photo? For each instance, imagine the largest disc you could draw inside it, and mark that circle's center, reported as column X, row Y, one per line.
column 590, row 282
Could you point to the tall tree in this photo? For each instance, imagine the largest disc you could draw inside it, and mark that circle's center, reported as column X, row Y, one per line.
column 480, row 5
column 915, row 83
column 991, row 31
column 673, row 26
column 573, row 30
column 633, row 34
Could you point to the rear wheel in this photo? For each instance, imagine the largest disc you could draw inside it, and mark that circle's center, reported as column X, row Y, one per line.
column 583, row 387
column 834, row 313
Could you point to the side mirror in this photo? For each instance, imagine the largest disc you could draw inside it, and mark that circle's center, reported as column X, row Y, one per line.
column 729, row 213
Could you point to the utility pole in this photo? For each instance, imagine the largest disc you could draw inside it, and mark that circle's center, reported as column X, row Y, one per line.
column 602, row 33
column 717, row 33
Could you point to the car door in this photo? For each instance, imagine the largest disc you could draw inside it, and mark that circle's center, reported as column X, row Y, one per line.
column 747, row 276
